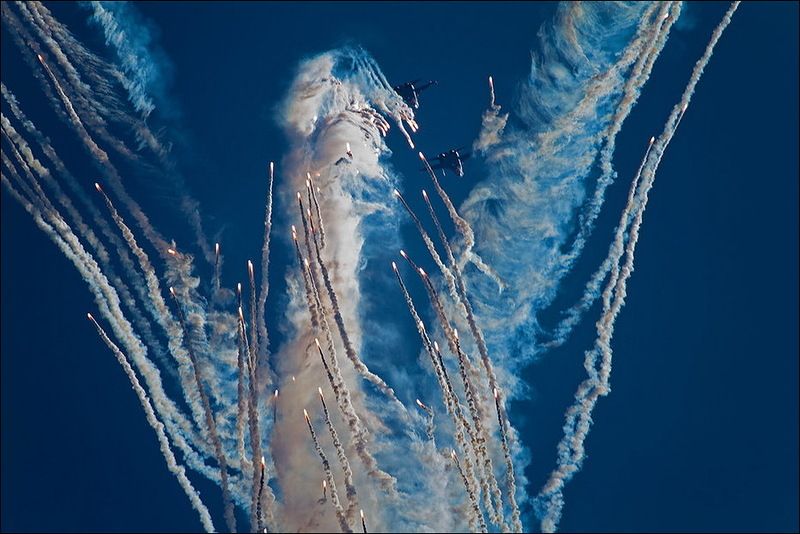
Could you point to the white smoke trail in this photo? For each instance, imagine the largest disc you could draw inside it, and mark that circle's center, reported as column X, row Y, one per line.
column 449, row 397
column 424, row 337
column 263, row 335
column 429, row 429
column 463, row 228
column 310, row 296
column 79, row 92
column 242, row 405
column 177, row 424
column 163, row 315
column 253, row 420
column 99, row 95
column 359, row 432
column 326, row 466
column 342, row 329
column 100, row 222
column 108, row 303
column 478, row 437
column 476, row 519
column 571, row 448
column 183, row 428
column 502, row 423
column 341, row 389
column 352, row 495
column 653, row 41
column 592, row 290
column 172, row 464
column 26, row 44
column 465, row 308
column 317, row 211
column 230, row 519
column 253, row 318
column 131, row 41
column 638, row 78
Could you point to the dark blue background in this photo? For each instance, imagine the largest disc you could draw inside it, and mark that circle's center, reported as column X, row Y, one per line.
column 701, row 429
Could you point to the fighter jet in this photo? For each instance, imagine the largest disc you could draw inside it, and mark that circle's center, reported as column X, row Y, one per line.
column 451, row 160
column 410, row 91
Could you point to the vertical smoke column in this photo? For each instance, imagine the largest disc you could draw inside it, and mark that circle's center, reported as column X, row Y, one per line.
column 230, row 519
column 326, row 466
column 172, row 463
column 352, row 496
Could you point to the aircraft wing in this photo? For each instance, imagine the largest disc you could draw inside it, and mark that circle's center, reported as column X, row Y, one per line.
column 465, row 155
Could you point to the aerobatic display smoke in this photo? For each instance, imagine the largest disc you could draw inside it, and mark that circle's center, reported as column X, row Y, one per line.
column 230, row 411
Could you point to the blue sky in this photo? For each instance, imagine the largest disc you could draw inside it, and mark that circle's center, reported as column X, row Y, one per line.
column 700, row 431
